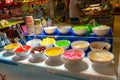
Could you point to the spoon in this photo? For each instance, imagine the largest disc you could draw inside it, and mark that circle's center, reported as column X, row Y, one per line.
column 103, row 47
column 16, row 40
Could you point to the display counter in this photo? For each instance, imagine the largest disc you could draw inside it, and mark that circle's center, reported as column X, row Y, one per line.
column 85, row 71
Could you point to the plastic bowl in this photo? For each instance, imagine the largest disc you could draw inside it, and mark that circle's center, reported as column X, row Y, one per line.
column 38, row 52
column 22, row 51
column 64, row 29
column 100, row 58
column 11, row 46
column 62, row 43
column 48, row 42
column 100, row 45
column 50, row 30
column 79, row 30
column 101, row 30
column 33, row 42
column 83, row 45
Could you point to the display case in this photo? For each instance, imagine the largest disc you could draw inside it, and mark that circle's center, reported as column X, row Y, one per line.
column 85, row 70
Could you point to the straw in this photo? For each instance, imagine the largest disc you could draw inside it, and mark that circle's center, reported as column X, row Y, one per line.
column 21, row 45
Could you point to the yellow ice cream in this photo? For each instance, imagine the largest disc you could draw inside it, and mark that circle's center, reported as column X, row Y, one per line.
column 11, row 46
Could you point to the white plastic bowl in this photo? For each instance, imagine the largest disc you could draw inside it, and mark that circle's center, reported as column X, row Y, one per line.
column 101, row 30
column 64, row 29
column 22, row 53
column 39, row 54
column 100, row 58
column 34, row 42
column 80, row 32
column 50, row 30
column 83, row 45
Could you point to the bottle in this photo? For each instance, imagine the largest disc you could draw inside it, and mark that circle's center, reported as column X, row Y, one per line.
column 6, row 40
column 37, row 26
column 44, row 23
column 2, row 43
column 1, row 40
column 49, row 22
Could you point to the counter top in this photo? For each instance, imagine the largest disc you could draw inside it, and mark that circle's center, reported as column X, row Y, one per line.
column 87, row 70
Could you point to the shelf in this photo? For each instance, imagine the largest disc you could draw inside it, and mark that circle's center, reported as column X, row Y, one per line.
column 87, row 71
column 11, row 23
column 72, row 34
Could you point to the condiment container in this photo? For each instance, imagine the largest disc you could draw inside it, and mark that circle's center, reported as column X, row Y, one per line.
column 37, row 54
column 73, row 58
column 48, row 42
column 54, row 56
column 62, row 43
column 22, row 52
column 9, row 49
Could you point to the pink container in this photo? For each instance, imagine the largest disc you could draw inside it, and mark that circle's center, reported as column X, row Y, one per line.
column 74, row 59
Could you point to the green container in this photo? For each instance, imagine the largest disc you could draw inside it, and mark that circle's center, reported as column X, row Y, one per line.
column 90, row 26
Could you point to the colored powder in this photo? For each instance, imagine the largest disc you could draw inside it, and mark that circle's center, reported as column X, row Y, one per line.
column 38, row 49
column 62, row 43
column 101, row 56
column 20, row 49
column 79, row 28
column 11, row 46
column 73, row 54
column 80, row 44
column 54, row 51
column 47, row 41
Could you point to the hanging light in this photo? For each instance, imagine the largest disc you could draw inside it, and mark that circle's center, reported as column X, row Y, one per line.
column 8, row 1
